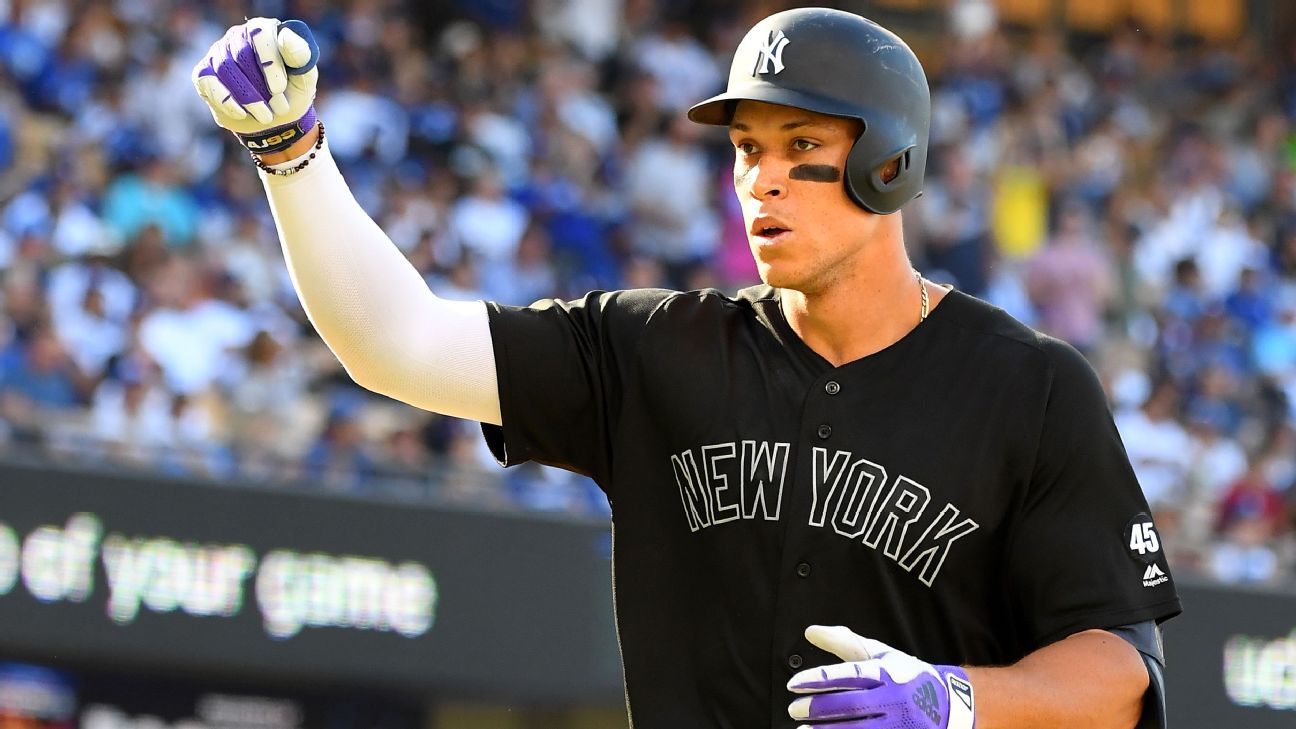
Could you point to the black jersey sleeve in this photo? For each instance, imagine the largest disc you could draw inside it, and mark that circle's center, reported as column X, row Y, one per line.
column 1084, row 552
column 561, row 367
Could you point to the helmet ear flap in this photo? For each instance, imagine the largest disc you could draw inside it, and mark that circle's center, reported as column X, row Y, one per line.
column 870, row 180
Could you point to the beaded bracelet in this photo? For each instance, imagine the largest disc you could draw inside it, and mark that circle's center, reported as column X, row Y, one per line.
column 319, row 143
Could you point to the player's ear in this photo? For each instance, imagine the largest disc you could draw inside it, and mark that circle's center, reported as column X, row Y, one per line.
column 889, row 171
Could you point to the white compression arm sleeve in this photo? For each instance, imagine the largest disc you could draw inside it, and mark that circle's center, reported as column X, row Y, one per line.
column 371, row 306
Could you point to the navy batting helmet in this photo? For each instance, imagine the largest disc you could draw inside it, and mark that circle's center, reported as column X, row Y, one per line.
column 839, row 63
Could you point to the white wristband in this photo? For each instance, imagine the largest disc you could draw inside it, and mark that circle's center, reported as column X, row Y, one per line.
column 962, row 703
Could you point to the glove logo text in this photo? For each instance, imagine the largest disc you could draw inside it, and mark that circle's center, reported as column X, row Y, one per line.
column 286, row 135
column 926, row 701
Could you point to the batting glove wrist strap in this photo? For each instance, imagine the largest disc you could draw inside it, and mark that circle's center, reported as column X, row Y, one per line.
column 879, row 687
column 278, row 139
column 962, row 700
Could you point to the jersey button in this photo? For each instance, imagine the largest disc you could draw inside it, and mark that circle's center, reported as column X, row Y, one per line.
column 794, row 661
column 803, row 570
column 832, row 388
column 824, row 431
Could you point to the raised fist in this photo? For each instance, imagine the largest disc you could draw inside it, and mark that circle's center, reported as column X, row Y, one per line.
column 259, row 80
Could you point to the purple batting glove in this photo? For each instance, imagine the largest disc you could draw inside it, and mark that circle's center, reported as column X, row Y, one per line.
column 259, row 80
column 879, row 687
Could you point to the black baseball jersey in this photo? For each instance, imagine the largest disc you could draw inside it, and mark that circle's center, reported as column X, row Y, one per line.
column 962, row 494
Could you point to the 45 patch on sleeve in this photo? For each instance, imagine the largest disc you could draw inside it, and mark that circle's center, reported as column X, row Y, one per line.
column 1142, row 539
column 1144, row 545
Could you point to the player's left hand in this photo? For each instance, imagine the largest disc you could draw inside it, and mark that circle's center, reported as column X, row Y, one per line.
column 878, row 687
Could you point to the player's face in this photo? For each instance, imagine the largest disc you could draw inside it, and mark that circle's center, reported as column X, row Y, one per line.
column 789, row 163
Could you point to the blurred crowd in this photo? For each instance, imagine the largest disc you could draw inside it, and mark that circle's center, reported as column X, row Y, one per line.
column 1132, row 195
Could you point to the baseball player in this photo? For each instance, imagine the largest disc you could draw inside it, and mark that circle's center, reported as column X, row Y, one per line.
column 846, row 498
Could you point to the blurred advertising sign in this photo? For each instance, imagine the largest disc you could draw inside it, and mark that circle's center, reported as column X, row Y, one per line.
column 108, row 701
column 34, row 697
column 37, row 697
column 152, row 574
column 1231, row 658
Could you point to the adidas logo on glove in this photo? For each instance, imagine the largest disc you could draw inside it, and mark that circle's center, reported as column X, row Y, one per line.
column 926, row 701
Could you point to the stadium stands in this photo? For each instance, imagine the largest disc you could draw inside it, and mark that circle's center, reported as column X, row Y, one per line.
column 1130, row 192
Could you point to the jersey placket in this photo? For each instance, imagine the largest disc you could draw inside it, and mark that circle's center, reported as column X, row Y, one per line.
column 799, row 586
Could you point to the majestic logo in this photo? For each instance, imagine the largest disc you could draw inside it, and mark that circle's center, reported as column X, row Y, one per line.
column 926, row 701
column 771, row 52
column 1153, row 576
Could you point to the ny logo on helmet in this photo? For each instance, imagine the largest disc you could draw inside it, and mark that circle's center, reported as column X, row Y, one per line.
column 771, row 52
